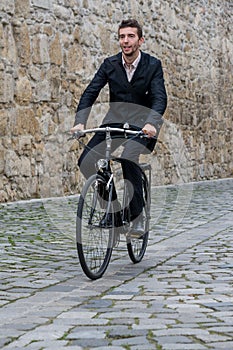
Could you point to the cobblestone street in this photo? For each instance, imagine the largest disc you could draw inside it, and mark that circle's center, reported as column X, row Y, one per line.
column 179, row 297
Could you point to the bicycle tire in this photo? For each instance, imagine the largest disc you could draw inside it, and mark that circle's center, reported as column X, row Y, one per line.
column 94, row 243
column 137, row 246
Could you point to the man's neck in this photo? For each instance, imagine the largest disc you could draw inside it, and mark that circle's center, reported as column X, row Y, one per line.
column 131, row 59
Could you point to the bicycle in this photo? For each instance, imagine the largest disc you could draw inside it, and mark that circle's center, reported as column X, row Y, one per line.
column 95, row 241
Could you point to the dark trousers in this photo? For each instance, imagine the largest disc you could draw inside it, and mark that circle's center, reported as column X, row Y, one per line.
column 132, row 148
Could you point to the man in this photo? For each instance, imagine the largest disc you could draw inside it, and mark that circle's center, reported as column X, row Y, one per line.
column 137, row 97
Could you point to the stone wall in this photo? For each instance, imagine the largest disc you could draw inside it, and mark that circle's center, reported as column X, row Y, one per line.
column 50, row 49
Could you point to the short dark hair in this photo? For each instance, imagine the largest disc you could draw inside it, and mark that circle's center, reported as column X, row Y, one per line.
column 133, row 23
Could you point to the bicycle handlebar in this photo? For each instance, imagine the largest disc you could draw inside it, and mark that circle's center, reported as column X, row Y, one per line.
column 80, row 133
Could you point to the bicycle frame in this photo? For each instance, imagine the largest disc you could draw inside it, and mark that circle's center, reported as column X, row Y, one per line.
column 93, row 255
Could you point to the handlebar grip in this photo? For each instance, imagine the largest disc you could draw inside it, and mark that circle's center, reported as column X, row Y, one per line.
column 143, row 134
column 77, row 135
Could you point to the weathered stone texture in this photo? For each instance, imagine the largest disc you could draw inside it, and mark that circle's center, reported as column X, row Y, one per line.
column 49, row 51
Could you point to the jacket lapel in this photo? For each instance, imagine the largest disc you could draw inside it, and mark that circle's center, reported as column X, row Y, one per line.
column 139, row 72
column 120, row 69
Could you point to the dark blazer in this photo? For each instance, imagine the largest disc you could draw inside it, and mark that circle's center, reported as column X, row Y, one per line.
column 141, row 101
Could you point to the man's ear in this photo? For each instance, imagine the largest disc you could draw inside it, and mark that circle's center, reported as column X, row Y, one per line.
column 141, row 41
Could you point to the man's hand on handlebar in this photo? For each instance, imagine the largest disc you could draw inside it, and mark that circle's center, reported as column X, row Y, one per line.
column 150, row 130
column 76, row 131
column 78, row 127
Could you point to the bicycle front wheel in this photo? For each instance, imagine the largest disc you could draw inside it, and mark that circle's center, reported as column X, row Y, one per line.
column 94, row 241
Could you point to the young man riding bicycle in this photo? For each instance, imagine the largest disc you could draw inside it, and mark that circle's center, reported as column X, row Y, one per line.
column 137, row 97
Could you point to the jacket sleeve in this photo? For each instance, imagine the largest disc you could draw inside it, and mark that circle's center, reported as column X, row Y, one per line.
column 158, row 98
column 90, row 95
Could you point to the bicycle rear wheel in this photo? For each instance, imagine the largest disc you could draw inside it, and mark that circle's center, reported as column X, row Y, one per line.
column 137, row 246
column 94, row 242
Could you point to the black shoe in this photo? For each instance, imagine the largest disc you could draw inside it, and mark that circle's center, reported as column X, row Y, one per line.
column 106, row 221
column 137, row 230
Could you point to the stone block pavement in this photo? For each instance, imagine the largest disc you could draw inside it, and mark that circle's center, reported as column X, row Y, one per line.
column 179, row 297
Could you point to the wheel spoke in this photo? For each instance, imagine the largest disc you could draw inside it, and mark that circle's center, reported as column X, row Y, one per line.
column 94, row 243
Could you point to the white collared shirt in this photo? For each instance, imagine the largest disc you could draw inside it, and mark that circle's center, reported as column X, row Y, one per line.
column 130, row 69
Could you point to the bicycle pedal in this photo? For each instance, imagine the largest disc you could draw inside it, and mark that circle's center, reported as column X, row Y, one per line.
column 135, row 235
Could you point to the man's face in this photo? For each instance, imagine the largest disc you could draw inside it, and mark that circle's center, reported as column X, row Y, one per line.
column 129, row 41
